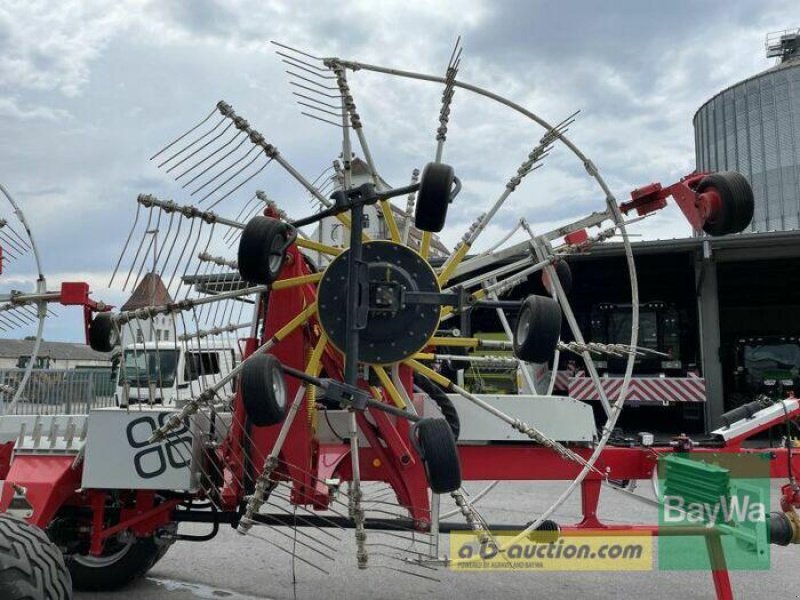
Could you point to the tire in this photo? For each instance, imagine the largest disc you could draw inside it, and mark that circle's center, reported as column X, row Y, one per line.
column 262, row 250
column 442, row 400
column 736, row 207
column 537, row 330
column 120, row 568
column 264, row 391
column 564, row 274
column 433, row 197
column 436, row 445
column 103, row 335
column 31, row 566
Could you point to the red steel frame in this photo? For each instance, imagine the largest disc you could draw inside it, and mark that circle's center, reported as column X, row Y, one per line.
column 50, row 482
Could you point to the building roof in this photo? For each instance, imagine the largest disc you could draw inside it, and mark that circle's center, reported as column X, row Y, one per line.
column 55, row 350
column 151, row 291
column 790, row 63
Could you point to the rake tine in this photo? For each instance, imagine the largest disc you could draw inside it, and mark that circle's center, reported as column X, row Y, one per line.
column 14, row 318
column 392, row 547
column 164, row 245
column 11, row 242
column 33, row 313
column 289, row 552
column 331, row 522
column 289, row 57
column 339, row 125
column 403, row 571
column 171, row 144
column 138, row 249
column 152, row 233
column 242, row 216
column 453, row 57
column 215, row 163
column 283, row 533
column 249, row 177
column 11, row 324
column 311, row 71
column 194, row 251
column 313, row 91
column 447, row 98
column 304, row 520
column 322, row 110
column 315, row 100
column 204, row 146
column 185, row 148
column 295, row 50
column 312, row 82
column 183, row 250
column 172, row 246
column 127, row 241
column 226, row 169
column 19, row 237
column 11, row 254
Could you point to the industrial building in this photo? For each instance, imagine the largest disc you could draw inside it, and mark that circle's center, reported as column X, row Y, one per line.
column 722, row 308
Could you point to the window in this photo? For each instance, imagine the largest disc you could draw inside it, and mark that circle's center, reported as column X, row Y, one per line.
column 166, row 335
column 200, row 364
column 42, row 362
column 142, row 367
column 139, row 336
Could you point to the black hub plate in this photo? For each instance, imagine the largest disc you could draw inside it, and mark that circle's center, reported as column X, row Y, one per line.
column 394, row 330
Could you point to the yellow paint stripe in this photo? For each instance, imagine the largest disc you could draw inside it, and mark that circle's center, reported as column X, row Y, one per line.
column 452, row 263
column 312, row 245
column 388, row 216
column 455, row 341
column 429, row 373
column 282, row 284
column 389, row 386
column 301, row 318
column 425, row 244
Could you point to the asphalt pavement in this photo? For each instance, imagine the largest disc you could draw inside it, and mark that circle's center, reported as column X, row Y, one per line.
column 236, row 567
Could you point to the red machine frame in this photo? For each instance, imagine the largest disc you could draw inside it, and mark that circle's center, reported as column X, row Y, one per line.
column 51, row 482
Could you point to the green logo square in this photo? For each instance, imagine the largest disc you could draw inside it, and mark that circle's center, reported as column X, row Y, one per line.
column 714, row 511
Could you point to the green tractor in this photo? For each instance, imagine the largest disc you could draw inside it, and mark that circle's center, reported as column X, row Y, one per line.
column 766, row 367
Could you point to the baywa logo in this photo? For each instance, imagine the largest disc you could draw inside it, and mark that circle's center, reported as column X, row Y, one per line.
column 154, row 458
column 677, row 510
column 721, row 502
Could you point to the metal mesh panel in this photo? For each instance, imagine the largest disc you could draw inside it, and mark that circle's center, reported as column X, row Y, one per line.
column 60, row 391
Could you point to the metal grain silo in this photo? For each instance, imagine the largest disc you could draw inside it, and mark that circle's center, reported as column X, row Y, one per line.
column 754, row 127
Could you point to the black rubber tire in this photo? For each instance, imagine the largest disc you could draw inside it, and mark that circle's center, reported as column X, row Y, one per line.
column 133, row 564
column 433, row 197
column 31, row 566
column 103, row 335
column 262, row 250
column 564, row 277
column 264, row 391
column 442, row 400
column 437, row 447
column 537, row 330
column 737, row 204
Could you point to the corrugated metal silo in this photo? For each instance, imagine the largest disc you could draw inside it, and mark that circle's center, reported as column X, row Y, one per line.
column 754, row 127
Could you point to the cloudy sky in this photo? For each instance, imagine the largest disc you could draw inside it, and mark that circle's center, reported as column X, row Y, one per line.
column 90, row 90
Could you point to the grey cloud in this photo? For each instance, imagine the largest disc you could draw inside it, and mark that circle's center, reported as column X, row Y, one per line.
column 95, row 94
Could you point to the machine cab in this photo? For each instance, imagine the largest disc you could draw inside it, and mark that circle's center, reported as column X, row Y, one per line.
column 160, row 373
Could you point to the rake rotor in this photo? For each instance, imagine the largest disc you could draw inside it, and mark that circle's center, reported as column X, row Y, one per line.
column 345, row 336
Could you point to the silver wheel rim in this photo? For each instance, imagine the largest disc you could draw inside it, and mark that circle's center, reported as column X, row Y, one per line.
column 106, row 560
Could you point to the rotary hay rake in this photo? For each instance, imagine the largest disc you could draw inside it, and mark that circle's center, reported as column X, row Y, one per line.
column 326, row 423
